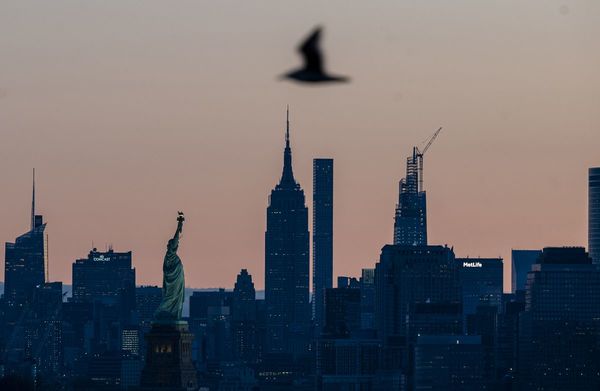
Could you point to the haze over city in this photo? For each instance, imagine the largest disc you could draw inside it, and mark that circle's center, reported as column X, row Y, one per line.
column 131, row 111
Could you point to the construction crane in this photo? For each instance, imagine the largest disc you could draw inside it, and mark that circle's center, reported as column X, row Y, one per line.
column 431, row 140
column 418, row 157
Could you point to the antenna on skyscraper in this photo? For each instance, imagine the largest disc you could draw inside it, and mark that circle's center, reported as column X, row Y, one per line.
column 287, row 128
column 33, row 203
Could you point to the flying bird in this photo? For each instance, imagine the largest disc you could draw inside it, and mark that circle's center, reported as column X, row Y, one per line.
column 314, row 68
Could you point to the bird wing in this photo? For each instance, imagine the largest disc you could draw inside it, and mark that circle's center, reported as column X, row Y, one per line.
column 313, row 59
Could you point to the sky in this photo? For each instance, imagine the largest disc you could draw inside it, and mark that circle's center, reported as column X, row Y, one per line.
column 132, row 110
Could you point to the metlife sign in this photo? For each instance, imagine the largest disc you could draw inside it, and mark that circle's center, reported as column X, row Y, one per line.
column 472, row 264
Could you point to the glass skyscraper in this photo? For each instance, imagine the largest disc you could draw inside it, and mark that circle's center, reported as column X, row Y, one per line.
column 521, row 262
column 322, row 235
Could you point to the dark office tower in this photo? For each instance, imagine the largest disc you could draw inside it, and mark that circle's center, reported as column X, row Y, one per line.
column 521, row 262
column 342, row 312
column 594, row 214
column 410, row 223
column 411, row 274
column 481, row 282
column 107, row 278
column 322, row 235
column 560, row 327
column 210, row 322
column 243, row 317
column 287, row 264
column 24, row 266
column 367, row 299
column 147, row 300
column 508, row 334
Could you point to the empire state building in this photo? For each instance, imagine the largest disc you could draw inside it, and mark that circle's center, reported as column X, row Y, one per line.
column 287, row 264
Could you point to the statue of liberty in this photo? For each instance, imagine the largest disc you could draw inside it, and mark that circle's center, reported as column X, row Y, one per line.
column 170, row 334
column 173, row 290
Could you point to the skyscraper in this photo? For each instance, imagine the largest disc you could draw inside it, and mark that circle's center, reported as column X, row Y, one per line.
column 322, row 235
column 243, row 317
column 560, row 327
column 521, row 262
column 481, row 282
column 24, row 267
column 287, row 263
column 406, row 275
column 107, row 278
column 594, row 214
column 410, row 223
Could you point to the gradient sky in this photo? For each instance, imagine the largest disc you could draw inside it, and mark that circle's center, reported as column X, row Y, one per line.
column 132, row 110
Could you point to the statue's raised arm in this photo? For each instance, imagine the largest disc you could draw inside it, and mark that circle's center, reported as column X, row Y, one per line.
column 173, row 291
column 180, row 220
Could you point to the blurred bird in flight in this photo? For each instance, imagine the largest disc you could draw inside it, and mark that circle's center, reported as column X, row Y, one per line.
column 313, row 70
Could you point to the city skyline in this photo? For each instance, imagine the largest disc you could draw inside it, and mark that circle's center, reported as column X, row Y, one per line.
column 124, row 132
column 229, row 284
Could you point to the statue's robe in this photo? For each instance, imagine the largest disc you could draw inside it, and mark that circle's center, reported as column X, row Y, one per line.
column 173, row 291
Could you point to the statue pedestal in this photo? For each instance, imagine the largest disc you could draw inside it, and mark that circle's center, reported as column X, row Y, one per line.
column 169, row 358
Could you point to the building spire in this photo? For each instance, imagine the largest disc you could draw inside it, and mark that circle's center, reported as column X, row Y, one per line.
column 287, row 128
column 33, row 203
column 287, row 177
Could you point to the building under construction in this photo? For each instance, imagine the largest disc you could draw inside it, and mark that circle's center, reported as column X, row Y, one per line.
column 410, row 222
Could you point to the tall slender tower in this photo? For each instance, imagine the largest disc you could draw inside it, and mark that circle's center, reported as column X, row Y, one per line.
column 410, row 222
column 594, row 214
column 322, row 236
column 24, row 266
column 287, row 263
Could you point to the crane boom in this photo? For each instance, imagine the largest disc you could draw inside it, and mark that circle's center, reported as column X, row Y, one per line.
column 431, row 140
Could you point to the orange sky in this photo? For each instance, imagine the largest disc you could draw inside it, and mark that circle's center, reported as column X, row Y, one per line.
column 132, row 110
